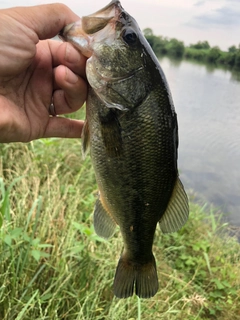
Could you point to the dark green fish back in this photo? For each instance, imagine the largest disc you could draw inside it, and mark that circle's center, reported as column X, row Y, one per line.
column 134, row 154
column 131, row 129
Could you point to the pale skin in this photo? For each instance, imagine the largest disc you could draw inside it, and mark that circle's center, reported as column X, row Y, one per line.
column 34, row 71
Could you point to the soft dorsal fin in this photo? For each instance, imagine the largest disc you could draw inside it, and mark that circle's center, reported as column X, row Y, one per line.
column 177, row 211
column 104, row 225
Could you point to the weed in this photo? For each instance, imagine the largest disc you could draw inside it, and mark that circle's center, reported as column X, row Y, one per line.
column 54, row 266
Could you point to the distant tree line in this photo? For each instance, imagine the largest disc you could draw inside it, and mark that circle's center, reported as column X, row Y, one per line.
column 200, row 51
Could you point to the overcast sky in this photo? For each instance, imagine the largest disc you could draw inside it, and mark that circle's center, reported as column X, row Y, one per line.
column 217, row 21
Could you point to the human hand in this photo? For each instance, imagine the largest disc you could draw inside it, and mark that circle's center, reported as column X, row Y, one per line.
column 35, row 72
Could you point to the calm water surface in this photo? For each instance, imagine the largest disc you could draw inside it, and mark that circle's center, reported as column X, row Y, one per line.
column 208, row 107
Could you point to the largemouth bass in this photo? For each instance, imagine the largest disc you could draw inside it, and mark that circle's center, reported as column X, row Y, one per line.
column 131, row 129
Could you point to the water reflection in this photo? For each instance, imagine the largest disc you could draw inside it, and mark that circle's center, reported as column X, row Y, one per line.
column 235, row 75
column 207, row 101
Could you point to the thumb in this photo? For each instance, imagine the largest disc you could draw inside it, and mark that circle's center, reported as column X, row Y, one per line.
column 45, row 20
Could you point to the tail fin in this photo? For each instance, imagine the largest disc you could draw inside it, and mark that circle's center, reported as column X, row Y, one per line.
column 131, row 275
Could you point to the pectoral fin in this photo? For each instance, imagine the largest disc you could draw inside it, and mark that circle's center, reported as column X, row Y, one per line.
column 85, row 138
column 177, row 211
column 104, row 225
column 111, row 134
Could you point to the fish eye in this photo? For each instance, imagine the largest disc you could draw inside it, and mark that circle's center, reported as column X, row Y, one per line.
column 130, row 36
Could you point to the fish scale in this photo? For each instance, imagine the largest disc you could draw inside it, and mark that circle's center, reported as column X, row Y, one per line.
column 131, row 130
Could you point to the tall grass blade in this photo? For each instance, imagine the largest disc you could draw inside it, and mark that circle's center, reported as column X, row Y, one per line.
column 139, row 308
column 22, row 313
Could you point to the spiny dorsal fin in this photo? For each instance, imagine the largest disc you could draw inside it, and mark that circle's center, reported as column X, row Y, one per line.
column 177, row 211
column 85, row 138
column 104, row 225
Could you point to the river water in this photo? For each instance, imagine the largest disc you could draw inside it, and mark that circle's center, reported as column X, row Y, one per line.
column 207, row 103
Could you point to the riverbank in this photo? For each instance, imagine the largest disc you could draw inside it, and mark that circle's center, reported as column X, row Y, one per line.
column 200, row 51
column 53, row 266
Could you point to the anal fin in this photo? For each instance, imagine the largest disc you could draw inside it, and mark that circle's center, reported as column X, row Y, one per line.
column 177, row 211
column 103, row 223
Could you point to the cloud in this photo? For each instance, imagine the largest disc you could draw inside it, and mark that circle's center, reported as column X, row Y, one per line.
column 224, row 16
column 199, row 3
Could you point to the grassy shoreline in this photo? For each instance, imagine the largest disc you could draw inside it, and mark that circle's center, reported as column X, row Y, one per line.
column 53, row 266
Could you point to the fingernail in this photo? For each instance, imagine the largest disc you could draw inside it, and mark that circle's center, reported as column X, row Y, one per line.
column 71, row 77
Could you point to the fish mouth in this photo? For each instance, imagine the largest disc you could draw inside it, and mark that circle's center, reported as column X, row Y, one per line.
column 83, row 32
column 98, row 20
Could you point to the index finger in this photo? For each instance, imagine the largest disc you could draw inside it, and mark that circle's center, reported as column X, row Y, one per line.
column 64, row 53
column 45, row 20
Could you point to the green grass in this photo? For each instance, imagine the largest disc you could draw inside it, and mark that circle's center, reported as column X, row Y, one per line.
column 53, row 266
